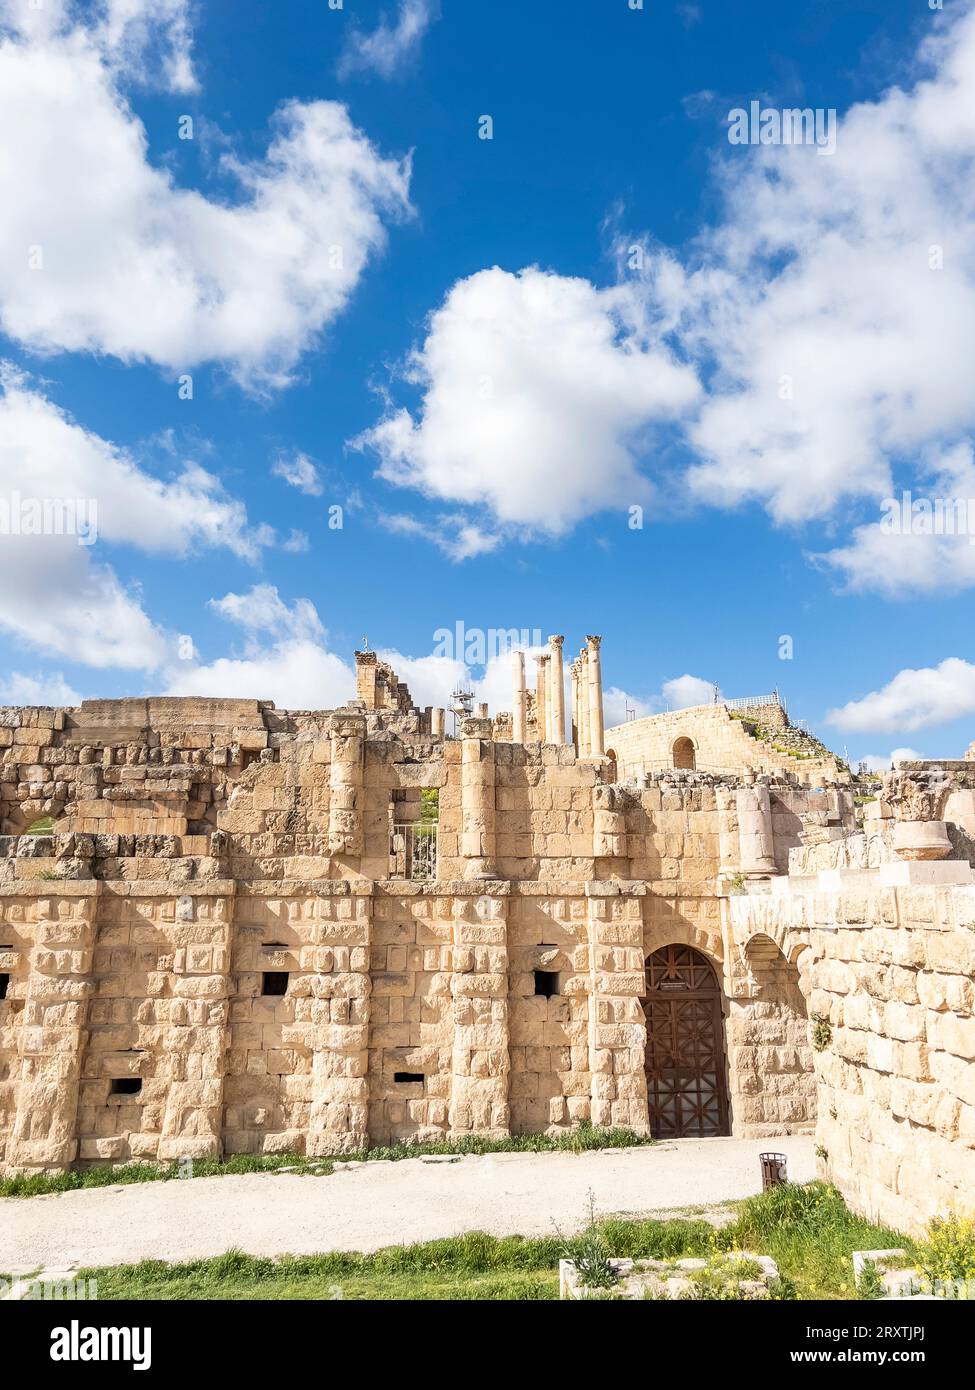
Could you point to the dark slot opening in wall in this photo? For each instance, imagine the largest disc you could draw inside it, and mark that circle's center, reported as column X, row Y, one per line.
column 126, row 1085
column 546, row 983
column 275, row 982
column 408, row 1076
column 4, row 982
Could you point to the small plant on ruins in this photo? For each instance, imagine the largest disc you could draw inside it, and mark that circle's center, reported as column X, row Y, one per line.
column 948, row 1251
column 736, row 884
column 870, row 1285
column 822, row 1034
column 590, row 1254
column 822, row 1153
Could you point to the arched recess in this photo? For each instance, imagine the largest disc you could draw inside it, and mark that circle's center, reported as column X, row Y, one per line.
column 773, row 1056
column 683, row 754
column 685, row 1059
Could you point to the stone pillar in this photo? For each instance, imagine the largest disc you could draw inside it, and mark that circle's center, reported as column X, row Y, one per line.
column 194, row 1045
column 477, row 838
column 728, row 847
column 366, row 664
column 480, row 1058
column 53, row 1035
column 582, row 665
column 596, row 747
column 574, row 678
column 338, row 1121
column 346, row 784
column 437, row 723
column 617, row 1027
column 756, row 850
column 519, row 702
column 556, row 699
column 541, row 696
column 482, row 711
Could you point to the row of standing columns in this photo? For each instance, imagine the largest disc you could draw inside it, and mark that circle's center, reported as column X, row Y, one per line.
column 587, row 698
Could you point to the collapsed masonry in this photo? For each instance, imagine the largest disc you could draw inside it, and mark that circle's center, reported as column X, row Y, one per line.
column 254, row 930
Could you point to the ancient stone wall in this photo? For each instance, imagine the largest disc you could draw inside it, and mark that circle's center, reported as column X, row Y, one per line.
column 887, row 971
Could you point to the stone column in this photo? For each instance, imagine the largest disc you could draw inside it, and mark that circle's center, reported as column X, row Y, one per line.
column 556, row 700
column 755, row 831
column 194, row 1044
column 596, row 747
column 437, row 723
column 541, row 697
column 480, row 1058
column 365, row 678
column 477, row 839
column 346, row 784
column 574, row 677
column 53, row 1035
column 519, row 702
column 582, row 665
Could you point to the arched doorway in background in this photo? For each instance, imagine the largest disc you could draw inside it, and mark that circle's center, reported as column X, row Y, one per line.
column 683, row 755
column 685, row 1059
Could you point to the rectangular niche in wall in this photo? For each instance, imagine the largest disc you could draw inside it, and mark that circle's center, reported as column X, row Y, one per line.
column 4, row 983
column 126, row 1086
column 546, row 983
column 275, row 982
column 407, row 1078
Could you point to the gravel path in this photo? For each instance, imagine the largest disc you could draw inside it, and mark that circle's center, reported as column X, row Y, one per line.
column 369, row 1205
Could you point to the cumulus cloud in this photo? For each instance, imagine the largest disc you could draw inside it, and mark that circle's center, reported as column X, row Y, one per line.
column 456, row 536
column 393, row 43
column 537, row 388
column 54, row 594
column 298, row 471
column 685, row 691
column 19, row 689
column 912, row 700
column 102, row 252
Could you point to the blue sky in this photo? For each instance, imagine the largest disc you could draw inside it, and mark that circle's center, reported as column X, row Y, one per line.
column 492, row 378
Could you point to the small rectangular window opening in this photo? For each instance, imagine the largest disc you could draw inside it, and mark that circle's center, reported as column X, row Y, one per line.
column 275, row 982
column 126, row 1085
column 408, row 1077
column 4, row 982
column 546, row 983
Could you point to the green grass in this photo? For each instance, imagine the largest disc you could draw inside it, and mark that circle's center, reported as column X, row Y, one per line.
column 582, row 1139
column 807, row 1230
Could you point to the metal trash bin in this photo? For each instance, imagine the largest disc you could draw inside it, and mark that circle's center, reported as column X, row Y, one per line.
column 774, row 1170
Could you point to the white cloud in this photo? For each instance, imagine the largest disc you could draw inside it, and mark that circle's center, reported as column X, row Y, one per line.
column 537, row 389
column 54, row 595
column 875, row 762
column 832, row 347
column 926, row 542
column 912, row 700
column 392, row 44
column 18, row 689
column 431, row 679
column 140, row 269
column 298, row 471
column 458, row 538
column 683, row 692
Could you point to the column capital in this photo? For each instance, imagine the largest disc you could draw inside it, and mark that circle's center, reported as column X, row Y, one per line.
column 593, row 643
column 556, row 642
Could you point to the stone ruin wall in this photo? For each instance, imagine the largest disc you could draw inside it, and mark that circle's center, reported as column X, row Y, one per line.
column 138, row 956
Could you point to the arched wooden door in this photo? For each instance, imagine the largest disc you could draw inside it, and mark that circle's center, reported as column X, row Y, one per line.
column 685, row 1046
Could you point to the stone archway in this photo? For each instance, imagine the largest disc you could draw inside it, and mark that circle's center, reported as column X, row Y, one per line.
column 684, row 754
column 685, row 1058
